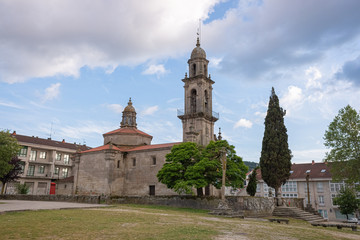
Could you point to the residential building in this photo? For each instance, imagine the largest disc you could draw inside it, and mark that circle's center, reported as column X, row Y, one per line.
column 44, row 161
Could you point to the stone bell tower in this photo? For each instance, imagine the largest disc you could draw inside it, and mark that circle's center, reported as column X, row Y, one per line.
column 198, row 118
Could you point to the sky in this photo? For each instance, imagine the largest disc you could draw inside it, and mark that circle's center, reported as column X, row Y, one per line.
column 68, row 68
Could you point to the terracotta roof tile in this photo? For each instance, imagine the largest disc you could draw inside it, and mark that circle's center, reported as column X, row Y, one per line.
column 127, row 131
column 317, row 170
column 49, row 142
column 101, row 148
column 154, row 146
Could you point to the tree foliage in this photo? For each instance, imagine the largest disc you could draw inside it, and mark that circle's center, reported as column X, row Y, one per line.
column 343, row 138
column 347, row 201
column 251, row 187
column 13, row 173
column 189, row 166
column 8, row 149
column 275, row 160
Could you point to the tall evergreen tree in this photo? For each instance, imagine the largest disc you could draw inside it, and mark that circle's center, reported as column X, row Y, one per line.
column 251, row 187
column 275, row 160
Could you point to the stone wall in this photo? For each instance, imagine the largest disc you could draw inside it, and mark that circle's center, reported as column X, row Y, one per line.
column 59, row 198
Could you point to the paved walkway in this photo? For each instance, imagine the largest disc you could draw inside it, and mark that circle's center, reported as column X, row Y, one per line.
column 20, row 205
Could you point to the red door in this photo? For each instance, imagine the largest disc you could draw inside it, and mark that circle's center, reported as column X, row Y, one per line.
column 52, row 188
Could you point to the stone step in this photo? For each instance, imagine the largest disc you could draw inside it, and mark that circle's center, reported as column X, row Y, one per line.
column 297, row 213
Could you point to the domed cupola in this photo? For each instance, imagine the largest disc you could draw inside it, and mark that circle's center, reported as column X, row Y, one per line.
column 129, row 116
column 198, row 64
column 198, row 52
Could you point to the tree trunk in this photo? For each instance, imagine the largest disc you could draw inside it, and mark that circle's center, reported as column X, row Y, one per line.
column 2, row 188
column 199, row 192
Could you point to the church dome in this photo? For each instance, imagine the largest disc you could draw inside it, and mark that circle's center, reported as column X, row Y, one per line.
column 129, row 107
column 198, row 52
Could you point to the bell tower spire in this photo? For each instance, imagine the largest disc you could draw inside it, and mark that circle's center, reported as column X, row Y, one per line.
column 128, row 116
column 198, row 118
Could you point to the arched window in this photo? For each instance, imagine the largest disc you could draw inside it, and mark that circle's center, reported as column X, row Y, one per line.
column 193, row 101
column 194, row 69
column 206, row 101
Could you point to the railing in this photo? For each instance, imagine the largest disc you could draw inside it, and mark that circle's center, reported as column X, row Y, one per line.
column 181, row 112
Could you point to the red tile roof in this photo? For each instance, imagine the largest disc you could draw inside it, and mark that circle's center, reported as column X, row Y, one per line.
column 128, row 131
column 317, row 170
column 154, row 146
column 104, row 147
column 49, row 142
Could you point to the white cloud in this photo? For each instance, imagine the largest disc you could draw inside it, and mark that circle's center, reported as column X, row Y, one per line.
column 260, row 114
column 10, row 104
column 51, row 92
column 59, row 38
column 306, row 156
column 155, row 69
column 313, row 75
column 117, row 108
column 292, row 100
column 215, row 62
column 243, row 123
column 150, row 110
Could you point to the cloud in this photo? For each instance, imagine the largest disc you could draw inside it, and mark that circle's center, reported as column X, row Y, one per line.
column 51, row 92
column 48, row 39
column 117, row 108
column 150, row 110
column 215, row 62
column 313, row 75
column 10, row 104
column 243, row 123
column 155, row 69
column 350, row 71
column 292, row 100
column 263, row 44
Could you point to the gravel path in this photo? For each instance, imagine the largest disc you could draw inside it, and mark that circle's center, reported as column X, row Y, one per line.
column 20, row 205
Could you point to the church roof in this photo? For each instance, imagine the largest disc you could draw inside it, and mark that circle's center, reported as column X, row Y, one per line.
column 128, row 131
column 104, row 147
column 154, row 146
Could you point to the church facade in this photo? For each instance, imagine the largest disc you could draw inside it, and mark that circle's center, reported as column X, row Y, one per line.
column 127, row 163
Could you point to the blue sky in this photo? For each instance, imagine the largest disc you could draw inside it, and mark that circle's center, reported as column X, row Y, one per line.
column 67, row 68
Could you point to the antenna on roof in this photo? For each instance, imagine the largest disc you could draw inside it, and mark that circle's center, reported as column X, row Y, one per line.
column 51, row 129
column 199, row 30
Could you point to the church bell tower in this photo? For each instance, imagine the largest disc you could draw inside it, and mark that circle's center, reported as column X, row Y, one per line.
column 198, row 118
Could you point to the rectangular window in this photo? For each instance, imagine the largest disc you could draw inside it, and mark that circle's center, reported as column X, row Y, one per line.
column 152, row 190
column 305, row 187
column 65, row 172
column 321, row 200
column 134, row 162
column 258, row 187
column 58, row 157
column 153, row 158
column 23, row 152
column 56, row 171
column 267, row 188
column 22, row 164
column 118, row 164
column 290, row 186
column 319, row 187
column 41, row 169
column 42, row 155
column 335, row 187
column 66, row 158
column 31, row 170
column 32, row 155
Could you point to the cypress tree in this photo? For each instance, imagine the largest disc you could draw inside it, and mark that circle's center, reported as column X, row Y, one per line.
column 275, row 160
column 251, row 187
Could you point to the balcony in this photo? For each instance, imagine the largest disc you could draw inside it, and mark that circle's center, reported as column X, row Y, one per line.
column 214, row 116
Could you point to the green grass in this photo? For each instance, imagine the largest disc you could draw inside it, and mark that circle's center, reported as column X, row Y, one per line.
column 153, row 222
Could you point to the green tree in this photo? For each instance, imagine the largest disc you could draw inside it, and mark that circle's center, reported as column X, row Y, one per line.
column 343, row 138
column 347, row 201
column 173, row 172
column 189, row 166
column 275, row 160
column 22, row 188
column 251, row 187
column 13, row 174
column 9, row 148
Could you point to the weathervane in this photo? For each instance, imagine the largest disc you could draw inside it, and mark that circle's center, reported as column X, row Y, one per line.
column 199, row 30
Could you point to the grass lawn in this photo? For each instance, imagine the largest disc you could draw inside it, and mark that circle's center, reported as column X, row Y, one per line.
column 153, row 222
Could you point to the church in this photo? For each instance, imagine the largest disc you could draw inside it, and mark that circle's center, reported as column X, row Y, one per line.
column 127, row 163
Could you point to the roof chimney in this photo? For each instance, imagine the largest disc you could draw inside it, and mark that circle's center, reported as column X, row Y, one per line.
column 14, row 133
column 63, row 140
column 312, row 162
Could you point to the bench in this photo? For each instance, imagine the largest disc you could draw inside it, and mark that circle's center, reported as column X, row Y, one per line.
column 279, row 220
column 337, row 225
